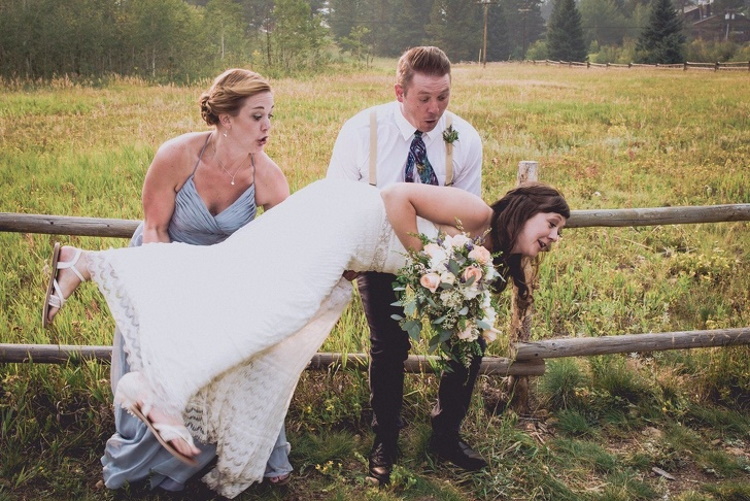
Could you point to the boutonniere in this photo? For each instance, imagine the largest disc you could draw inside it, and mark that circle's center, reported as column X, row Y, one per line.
column 450, row 134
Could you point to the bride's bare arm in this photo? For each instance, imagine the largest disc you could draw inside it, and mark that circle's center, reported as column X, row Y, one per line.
column 439, row 204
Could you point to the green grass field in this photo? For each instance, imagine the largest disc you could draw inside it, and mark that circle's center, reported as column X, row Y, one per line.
column 603, row 428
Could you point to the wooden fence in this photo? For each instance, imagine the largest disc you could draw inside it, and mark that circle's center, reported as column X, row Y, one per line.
column 528, row 357
column 717, row 66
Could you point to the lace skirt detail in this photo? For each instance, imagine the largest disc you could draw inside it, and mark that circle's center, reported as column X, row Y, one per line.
column 242, row 409
column 222, row 332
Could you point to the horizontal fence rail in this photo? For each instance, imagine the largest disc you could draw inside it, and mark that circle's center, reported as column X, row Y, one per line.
column 658, row 216
column 715, row 66
column 529, row 356
column 63, row 354
column 105, row 227
column 67, row 225
column 630, row 343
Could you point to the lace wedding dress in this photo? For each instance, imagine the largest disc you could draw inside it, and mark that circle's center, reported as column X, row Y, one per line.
column 222, row 332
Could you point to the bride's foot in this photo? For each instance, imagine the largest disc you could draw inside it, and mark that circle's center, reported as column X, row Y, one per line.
column 134, row 395
column 68, row 270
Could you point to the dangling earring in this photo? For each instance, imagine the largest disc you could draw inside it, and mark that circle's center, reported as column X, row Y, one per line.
column 225, row 134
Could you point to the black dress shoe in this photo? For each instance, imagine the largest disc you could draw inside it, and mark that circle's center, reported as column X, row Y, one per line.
column 456, row 451
column 382, row 457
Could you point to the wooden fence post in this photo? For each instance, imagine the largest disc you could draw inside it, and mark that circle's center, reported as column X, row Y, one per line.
column 522, row 309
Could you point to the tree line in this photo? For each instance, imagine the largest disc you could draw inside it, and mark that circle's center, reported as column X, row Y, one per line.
column 168, row 40
column 176, row 40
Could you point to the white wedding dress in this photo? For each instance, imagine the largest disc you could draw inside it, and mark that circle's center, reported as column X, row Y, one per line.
column 193, row 316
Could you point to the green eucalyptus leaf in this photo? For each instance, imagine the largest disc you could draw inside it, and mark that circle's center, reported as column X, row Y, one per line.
column 483, row 325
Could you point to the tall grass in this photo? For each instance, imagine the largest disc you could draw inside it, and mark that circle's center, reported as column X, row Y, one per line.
column 607, row 139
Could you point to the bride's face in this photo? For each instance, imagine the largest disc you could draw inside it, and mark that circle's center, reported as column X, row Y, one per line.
column 538, row 234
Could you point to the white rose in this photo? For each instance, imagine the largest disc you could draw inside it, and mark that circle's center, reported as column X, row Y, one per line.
column 433, row 250
column 490, row 315
column 436, row 255
column 448, row 278
column 460, row 240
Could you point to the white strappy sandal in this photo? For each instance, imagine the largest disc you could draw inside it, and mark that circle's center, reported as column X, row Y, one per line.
column 131, row 395
column 54, row 297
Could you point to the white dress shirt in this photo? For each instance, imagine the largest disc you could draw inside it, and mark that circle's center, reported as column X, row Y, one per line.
column 351, row 153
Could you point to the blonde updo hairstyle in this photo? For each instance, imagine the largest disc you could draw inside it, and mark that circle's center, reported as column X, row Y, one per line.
column 228, row 93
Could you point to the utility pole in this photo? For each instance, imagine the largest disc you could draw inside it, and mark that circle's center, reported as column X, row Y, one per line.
column 486, row 5
column 525, row 13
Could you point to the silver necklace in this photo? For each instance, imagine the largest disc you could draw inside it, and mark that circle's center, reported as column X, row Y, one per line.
column 227, row 171
column 221, row 164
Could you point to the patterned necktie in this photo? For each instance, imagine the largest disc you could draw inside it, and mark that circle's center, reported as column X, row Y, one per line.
column 418, row 159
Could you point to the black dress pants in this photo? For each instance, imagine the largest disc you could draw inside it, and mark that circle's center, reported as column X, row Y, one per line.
column 389, row 349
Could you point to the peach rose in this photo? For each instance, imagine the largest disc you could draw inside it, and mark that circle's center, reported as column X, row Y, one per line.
column 489, row 335
column 480, row 254
column 430, row 281
column 472, row 272
column 466, row 334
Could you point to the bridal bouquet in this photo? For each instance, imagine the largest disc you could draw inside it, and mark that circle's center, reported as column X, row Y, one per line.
column 445, row 287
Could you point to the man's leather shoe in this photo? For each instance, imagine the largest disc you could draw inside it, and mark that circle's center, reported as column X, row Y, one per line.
column 382, row 457
column 454, row 450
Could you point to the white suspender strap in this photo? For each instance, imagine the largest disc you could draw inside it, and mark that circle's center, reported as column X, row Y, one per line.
column 373, row 148
column 448, row 153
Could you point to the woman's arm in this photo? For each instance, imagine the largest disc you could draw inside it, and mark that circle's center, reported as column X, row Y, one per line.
column 444, row 206
column 271, row 186
column 163, row 178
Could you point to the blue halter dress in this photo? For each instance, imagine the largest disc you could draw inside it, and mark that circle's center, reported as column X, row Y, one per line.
column 133, row 453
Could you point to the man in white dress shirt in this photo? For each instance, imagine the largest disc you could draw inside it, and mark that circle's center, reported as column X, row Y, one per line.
column 411, row 139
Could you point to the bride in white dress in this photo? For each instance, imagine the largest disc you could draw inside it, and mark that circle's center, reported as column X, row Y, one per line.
column 193, row 316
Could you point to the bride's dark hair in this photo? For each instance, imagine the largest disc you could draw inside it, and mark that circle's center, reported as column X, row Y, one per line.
column 509, row 214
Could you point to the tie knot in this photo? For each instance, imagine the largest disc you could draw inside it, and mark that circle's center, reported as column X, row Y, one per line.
column 417, row 133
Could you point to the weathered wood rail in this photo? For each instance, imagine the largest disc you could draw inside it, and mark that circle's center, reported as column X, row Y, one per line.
column 528, row 361
column 629, row 343
column 715, row 66
column 124, row 228
column 529, row 356
column 64, row 354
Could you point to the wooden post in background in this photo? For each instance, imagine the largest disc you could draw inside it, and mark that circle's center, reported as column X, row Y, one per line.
column 522, row 309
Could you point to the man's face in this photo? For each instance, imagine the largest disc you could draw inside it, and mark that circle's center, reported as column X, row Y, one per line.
column 424, row 100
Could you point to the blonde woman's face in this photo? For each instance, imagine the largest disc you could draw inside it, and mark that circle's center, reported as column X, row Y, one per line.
column 252, row 125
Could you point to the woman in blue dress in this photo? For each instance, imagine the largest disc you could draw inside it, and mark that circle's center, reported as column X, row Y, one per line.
column 200, row 188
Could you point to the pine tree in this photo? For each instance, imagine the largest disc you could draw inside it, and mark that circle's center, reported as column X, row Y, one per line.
column 564, row 33
column 498, row 44
column 662, row 40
